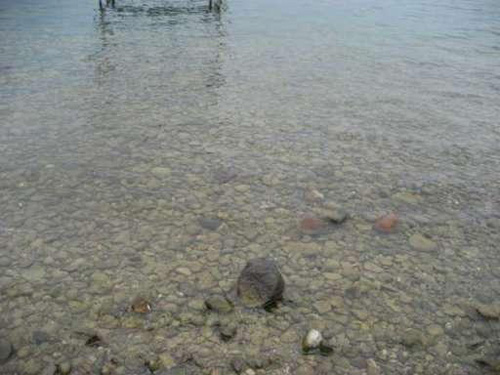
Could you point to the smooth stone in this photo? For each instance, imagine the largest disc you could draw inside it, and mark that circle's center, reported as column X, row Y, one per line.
column 313, row 195
column 34, row 273
column 51, row 369
column 242, row 188
column 219, row 304
column 337, row 216
column 387, row 223
column 161, row 171
column 408, row 197
column 412, row 338
column 260, row 283
column 64, row 368
column 435, row 330
column 184, row 271
column 422, row 243
column 312, row 225
column 312, row 340
column 210, row 223
column 488, row 311
column 372, row 368
column 323, row 306
column 5, row 350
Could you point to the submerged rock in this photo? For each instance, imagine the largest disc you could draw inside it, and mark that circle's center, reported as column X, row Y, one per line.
column 219, row 304
column 140, row 305
column 488, row 311
column 64, row 368
column 413, row 338
column 372, row 368
column 228, row 331
column 313, row 195
column 260, row 283
column 5, row 350
column 422, row 243
column 210, row 223
column 312, row 341
column 312, row 225
column 387, row 223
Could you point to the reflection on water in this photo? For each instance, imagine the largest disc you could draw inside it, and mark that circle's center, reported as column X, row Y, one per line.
column 149, row 150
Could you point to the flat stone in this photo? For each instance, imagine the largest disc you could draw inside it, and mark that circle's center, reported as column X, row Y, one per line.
column 65, row 368
column 488, row 311
column 312, row 226
column 34, row 273
column 161, row 171
column 435, row 330
column 219, row 304
column 422, row 243
column 184, row 271
column 210, row 223
column 313, row 195
column 413, row 338
column 323, row 306
column 408, row 197
column 332, row 276
column 372, row 368
column 5, row 350
column 242, row 188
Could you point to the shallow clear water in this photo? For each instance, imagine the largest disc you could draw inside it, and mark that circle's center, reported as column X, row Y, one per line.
column 122, row 132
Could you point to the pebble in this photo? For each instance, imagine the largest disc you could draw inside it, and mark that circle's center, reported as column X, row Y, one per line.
column 242, row 188
column 312, row 340
column 312, row 225
column 387, row 223
column 65, row 368
column 140, row 305
column 313, row 195
column 488, row 311
column 435, row 330
column 422, row 243
column 219, row 304
column 184, row 271
column 210, row 223
column 5, row 350
column 323, row 306
column 372, row 368
column 413, row 338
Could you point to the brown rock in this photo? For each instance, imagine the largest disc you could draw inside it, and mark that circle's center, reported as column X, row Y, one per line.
column 312, row 225
column 387, row 223
column 140, row 305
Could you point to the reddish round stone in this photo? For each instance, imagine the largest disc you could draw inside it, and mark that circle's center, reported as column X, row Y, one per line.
column 386, row 223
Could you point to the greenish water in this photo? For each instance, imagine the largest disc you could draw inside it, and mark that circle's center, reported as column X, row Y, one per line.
column 122, row 133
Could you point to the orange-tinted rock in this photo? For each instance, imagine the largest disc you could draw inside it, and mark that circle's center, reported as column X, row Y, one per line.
column 312, row 225
column 387, row 223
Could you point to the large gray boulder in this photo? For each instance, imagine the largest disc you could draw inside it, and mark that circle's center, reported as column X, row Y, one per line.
column 260, row 283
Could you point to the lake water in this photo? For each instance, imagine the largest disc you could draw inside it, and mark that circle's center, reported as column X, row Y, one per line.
column 151, row 150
